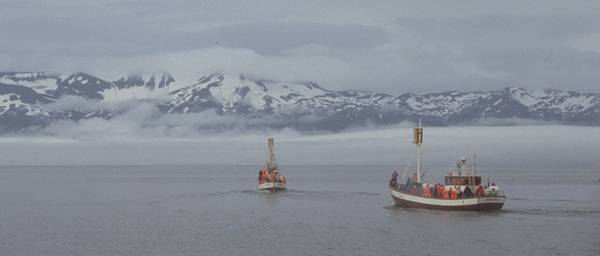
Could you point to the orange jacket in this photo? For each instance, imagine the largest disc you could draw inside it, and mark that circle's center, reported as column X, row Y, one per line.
column 453, row 194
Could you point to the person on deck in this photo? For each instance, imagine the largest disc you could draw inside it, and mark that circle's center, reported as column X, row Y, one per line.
column 394, row 180
column 427, row 191
column 445, row 193
column 407, row 184
column 467, row 192
column 453, row 194
column 480, row 191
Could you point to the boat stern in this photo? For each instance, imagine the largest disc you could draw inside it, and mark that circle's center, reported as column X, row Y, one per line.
column 272, row 186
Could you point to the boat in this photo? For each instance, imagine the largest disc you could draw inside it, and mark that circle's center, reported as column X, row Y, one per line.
column 461, row 190
column 269, row 177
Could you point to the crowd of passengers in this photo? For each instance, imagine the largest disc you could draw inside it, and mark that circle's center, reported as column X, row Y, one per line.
column 411, row 186
column 264, row 176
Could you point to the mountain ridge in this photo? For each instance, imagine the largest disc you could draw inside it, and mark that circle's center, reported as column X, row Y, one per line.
column 25, row 98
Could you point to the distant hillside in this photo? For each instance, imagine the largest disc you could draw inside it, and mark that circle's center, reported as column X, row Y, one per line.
column 25, row 97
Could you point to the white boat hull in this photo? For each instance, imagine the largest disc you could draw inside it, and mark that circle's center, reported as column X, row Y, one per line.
column 465, row 204
column 272, row 186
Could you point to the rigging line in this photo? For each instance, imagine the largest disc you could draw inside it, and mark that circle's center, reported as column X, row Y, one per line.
column 407, row 166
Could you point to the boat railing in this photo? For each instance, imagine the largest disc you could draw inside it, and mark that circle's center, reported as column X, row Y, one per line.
column 397, row 189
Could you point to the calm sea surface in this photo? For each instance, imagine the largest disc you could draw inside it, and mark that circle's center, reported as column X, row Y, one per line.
column 328, row 210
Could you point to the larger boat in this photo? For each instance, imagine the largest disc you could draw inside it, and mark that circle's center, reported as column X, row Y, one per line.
column 269, row 178
column 462, row 188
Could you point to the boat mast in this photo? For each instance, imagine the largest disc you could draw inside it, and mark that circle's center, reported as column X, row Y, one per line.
column 418, row 139
column 271, row 162
column 473, row 172
column 474, row 158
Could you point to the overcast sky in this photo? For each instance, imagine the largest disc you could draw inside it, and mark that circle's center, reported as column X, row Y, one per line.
column 389, row 46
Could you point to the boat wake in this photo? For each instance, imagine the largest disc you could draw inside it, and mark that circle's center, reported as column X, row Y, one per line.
column 326, row 194
column 186, row 196
column 549, row 200
column 555, row 212
column 290, row 193
column 528, row 211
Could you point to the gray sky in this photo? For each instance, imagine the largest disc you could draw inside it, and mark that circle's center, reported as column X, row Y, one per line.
column 390, row 46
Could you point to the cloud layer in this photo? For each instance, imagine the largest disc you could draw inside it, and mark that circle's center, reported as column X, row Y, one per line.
column 509, row 147
column 390, row 46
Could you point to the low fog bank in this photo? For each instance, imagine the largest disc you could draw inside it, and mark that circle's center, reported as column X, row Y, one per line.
column 498, row 147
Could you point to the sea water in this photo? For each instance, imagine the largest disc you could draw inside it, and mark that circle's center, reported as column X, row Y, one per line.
column 328, row 210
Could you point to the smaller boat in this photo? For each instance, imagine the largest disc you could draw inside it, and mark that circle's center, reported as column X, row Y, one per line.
column 462, row 189
column 269, row 177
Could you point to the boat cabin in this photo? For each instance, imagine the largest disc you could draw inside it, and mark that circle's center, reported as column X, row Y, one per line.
column 462, row 180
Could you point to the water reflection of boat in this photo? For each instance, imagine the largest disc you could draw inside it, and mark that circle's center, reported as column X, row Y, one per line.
column 462, row 188
column 269, row 177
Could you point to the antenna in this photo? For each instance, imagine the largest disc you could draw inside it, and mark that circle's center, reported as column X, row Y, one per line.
column 418, row 140
column 474, row 173
column 474, row 163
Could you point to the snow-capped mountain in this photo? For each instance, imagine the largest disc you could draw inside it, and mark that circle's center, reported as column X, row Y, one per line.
column 42, row 83
column 156, row 80
column 84, row 85
column 33, row 99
